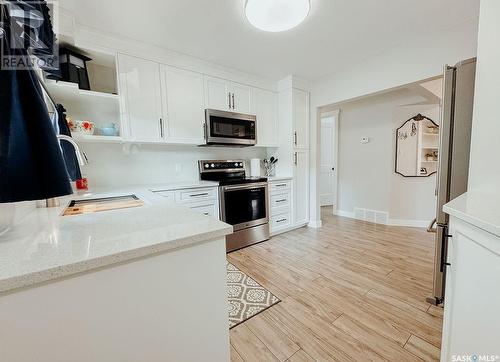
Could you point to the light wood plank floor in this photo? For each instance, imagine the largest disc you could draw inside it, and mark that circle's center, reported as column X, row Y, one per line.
column 350, row 291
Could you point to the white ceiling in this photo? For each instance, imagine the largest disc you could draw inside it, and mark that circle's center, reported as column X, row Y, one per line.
column 337, row 33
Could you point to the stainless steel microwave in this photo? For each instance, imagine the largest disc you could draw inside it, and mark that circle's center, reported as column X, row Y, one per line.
column 230, row 129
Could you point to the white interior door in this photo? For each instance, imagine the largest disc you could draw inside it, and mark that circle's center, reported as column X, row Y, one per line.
column 328, row 159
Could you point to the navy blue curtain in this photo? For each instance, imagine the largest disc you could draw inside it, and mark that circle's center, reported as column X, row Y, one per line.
column 31, row 162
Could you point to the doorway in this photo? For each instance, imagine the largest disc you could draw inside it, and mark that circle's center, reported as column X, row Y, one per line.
column 329, row 158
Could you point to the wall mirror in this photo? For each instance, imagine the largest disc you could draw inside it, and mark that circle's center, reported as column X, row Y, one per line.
column 417, row 147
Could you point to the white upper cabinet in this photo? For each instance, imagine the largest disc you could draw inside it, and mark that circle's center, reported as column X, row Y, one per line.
column 241, row 98
column 141, row 98
column 265, row 107
column 183, row 105
column 225, row 95
column 300, row 115
column 217, row 94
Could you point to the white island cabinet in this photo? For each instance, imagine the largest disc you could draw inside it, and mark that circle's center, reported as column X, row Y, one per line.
column 471, row 312
column 139, row 284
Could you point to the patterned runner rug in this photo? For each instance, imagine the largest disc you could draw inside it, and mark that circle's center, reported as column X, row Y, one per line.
column 247, row 298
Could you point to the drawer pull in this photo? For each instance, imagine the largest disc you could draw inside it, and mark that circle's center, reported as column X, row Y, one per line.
column 281, row 185
column 282, row 200
column 282, row 220
column 198, row 195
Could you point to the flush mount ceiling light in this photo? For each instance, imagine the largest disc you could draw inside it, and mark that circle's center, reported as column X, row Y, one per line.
column 276, row 15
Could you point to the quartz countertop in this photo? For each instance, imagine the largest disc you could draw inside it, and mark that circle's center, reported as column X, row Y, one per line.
column 279, row 178
column 182, row 185
column 44, row 246
column 479, row 209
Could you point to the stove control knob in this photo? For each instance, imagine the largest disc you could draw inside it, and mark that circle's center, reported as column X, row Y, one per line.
column 212, row 165
column 241, row 164
column 207, row 165
column 236, row 164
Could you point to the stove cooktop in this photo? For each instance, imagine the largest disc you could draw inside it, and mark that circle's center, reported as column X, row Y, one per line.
column 227, row 172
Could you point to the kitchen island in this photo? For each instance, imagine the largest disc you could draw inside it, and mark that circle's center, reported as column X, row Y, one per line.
column 138, row 284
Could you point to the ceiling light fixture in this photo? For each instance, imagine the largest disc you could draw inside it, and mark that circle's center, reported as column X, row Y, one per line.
column 276, row 15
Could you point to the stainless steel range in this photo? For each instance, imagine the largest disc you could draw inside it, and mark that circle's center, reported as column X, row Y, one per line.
column 243, row 201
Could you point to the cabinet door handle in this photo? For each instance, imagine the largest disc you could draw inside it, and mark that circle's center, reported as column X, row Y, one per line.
column 198, row 195
column 161, row 128
column 229, row 96
column 295, row 159
column 280, row 221
column 233, row 102
column 283, row 200
column 295, row 138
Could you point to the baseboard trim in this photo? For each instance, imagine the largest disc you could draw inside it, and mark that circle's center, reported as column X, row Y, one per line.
column 344, row 213
column 391, row 222
column 315, row 224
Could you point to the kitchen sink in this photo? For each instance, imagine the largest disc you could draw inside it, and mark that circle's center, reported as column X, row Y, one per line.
column 86, row 206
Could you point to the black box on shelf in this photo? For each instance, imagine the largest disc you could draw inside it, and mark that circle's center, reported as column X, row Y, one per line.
column 74, row 68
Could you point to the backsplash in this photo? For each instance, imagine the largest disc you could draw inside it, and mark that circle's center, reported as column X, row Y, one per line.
column 110, row 166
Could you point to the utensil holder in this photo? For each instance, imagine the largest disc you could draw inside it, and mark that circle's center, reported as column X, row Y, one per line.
column 270, row 170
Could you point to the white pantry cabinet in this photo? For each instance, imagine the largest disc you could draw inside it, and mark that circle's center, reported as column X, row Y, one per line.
column 265, row 107
column 183, row 105
column 141, row 98
column 300, row 116
column 301, row 187
column 225, row 95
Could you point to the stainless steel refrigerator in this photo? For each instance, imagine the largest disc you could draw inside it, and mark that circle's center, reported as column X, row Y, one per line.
column 454, row 151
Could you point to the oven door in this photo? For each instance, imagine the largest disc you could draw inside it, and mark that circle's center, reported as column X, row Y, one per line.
column 244, row 206
column 226, row 128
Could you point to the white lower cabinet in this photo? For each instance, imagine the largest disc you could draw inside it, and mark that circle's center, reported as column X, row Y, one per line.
column 471, row 325
column 301, row 187
column 280, row 206
column 204, row 200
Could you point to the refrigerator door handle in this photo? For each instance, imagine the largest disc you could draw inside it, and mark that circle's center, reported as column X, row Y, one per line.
column 444, row 249
column 431, row 228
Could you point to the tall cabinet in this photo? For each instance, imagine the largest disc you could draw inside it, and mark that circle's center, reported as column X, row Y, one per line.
column 293, row 151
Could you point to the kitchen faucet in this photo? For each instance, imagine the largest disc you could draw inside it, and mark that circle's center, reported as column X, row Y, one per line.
column 82, row 161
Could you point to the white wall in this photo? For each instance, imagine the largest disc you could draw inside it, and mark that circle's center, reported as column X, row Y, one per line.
column 109, row 166
column 366, row 171
column 485, row 147
column 416, row 60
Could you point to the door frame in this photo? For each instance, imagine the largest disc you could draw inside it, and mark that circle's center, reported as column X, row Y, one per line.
column 336, row 115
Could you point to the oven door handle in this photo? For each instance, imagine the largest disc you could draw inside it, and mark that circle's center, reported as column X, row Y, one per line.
column 245, row 187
